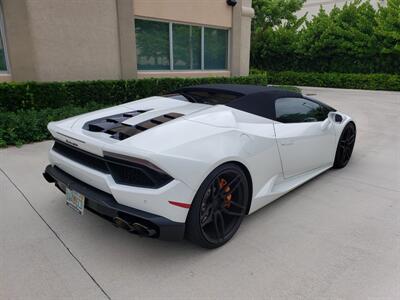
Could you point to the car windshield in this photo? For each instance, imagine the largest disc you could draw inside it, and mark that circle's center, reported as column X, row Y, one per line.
column 206, row 97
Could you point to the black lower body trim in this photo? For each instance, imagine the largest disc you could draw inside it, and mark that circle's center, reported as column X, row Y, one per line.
column 107, row 207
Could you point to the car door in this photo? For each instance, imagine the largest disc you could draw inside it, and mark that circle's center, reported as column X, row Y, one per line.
column 305, row 141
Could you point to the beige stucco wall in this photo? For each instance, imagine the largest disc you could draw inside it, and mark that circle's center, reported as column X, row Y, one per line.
column 67, row 39
column 57, row 40
column 18, row 40
column 210, row 12
column 75, row 39
column 240, row 41
column 127, row 39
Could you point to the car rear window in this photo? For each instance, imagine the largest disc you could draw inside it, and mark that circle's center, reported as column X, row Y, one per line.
column 206, row 97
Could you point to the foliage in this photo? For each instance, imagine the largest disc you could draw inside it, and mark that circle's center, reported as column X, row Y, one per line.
column 353, row 39
column 27, row 108
column 28, row 120
column 290, row 88
column 388, row 27
column 275, row 49
column 269, row 13
column 337, row 80
column 39, row 95
column 26, row 126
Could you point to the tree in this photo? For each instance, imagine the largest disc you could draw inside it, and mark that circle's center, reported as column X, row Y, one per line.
column 276, row 46
column 348, row 31
column 388, row 28
column 274, row 32
column 269, row 13
column 355, row 38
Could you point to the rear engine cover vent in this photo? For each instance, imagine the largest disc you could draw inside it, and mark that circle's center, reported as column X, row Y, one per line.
column 113, row 125
column 106, row 123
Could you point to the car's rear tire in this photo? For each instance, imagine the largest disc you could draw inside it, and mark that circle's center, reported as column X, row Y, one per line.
column 345, row 146
column 219, row 207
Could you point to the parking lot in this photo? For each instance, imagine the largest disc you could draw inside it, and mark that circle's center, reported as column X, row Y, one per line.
column 338, row 236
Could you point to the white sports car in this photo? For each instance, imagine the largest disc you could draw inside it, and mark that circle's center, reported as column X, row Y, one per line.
column 193, row 163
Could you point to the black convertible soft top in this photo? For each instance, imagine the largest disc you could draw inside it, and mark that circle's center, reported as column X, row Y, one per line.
column 254, row 99
column 240, row 89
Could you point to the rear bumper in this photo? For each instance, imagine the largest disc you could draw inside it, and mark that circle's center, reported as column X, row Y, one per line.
column 106, row 206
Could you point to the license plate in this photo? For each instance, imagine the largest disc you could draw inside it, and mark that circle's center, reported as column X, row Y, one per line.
column 75, row 200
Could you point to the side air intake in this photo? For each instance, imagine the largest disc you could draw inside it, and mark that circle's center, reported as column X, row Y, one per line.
column 113, row 125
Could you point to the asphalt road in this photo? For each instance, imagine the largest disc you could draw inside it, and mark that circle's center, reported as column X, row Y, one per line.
column 338, row 236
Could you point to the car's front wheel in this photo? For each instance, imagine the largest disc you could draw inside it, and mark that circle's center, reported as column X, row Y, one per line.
column 219, row 207
column 345, row 146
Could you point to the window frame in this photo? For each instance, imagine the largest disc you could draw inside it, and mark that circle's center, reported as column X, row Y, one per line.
column 228, row 56
column 3, row 39
column 322, row 105
column 171, row 26
column 171, row 46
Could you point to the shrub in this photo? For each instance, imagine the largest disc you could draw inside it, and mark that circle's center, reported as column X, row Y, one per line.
column 27, row 108
column 26, row 126
column 337, row 80
column 28, row 117
column 356, row 38
column 39, row 95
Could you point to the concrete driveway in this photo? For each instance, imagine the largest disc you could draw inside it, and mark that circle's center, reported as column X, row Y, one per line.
column 338, row 236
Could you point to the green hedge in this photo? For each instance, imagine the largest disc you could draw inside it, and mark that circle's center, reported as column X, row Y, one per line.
column 336, row 80
column 27, row 108
column 35, row 95
column 27, row 126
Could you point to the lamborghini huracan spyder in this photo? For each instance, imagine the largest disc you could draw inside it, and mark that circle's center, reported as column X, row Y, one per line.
column 194, row 162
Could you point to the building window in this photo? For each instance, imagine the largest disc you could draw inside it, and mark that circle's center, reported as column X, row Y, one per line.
column 215, row 48
column 186, row 47
column 172, row 46
column 152, row 45
column 3, row 53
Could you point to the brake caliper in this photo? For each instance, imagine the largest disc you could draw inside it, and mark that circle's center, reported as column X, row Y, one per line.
column 223, row 184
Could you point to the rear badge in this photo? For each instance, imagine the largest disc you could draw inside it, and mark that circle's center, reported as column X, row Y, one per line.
column 71, row 143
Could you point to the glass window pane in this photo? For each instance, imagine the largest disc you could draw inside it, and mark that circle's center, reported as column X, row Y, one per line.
column 3, row 65
column 213, row 98
column 215, row 49
column 152, row 45
column 298, row 110
column 187, row 47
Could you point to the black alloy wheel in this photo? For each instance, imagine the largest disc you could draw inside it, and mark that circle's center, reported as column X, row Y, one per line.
column 218, row 207
column 345, row 146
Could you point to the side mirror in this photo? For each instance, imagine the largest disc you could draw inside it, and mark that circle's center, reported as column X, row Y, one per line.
column 338, row 118
column 335, row 117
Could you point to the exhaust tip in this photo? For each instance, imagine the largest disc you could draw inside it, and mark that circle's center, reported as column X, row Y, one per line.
column 136, row 228
column 121, row 223
column 143, row 230
column 48, row 177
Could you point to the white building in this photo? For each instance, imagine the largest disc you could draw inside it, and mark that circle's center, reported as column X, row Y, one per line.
column 312, row 6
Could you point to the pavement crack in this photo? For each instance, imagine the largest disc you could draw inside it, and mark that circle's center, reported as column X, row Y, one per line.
column 56, row 235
